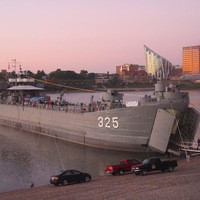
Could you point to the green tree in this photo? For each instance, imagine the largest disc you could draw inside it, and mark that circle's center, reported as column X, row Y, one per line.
column 56, row 74
column 30, row 73
column 91, row 76
column 12, row 74
column 84, row 72
column 2, row 77
column 115, row 81
column 39, row 74
column 70, row 75
column 63, row 75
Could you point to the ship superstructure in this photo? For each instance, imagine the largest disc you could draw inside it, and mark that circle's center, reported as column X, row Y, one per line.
column 22, row 88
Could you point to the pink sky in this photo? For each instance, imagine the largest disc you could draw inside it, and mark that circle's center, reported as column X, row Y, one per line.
column 94, row 35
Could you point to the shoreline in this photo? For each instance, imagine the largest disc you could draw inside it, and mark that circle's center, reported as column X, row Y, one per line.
column 156, row 185
column 104, row 90
column 117, row 89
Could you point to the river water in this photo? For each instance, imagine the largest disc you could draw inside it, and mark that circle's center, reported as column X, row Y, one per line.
column 27, row 158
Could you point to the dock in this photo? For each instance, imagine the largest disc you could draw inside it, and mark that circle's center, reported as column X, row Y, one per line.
column 183, row 183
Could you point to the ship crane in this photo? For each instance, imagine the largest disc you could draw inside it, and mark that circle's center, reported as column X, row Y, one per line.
column 61, row 95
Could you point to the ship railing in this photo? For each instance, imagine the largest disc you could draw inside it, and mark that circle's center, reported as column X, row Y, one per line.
column 83, row 108
column 189, row 145
column 72, row 108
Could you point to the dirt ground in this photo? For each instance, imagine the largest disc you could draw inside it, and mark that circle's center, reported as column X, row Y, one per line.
column 183, row 183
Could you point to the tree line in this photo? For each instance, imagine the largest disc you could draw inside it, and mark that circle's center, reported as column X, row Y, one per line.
column 66, row 78
column 63, row 75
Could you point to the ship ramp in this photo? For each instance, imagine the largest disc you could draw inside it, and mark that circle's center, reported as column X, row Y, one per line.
column 161, row 131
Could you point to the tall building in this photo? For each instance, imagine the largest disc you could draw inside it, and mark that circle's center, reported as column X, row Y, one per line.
column 126, row 67
column 191, row 60
column 156, row 65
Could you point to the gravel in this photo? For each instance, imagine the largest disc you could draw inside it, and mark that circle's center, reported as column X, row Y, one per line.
column 182, row 183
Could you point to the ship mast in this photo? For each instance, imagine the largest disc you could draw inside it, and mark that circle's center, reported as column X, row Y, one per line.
column 14, row 61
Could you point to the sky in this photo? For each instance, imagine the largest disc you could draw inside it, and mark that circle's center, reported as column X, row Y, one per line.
column 94, row 35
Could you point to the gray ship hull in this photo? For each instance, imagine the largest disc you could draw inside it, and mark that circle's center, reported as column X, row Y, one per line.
column 123, row 128
column 149, row 123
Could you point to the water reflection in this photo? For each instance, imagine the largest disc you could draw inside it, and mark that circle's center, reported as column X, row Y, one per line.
column 27, row 157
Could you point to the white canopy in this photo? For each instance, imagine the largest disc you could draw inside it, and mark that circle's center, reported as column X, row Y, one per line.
column 24, row 87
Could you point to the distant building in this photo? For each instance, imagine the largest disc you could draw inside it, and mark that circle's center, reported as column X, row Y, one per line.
column 140, row 76
column 101, row 80
column 177, row 71
column 191, row 60
column 156, row 65
column 127, row 67
column 129, row 73
column 141, row 67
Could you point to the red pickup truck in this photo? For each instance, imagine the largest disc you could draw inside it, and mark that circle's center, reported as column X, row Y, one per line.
column 124, row 166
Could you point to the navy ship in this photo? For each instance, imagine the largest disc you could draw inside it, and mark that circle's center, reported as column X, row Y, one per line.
column 159, row 122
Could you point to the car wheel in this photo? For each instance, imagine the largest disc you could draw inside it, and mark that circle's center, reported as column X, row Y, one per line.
column 144, row 172
column 121, row 172
column 170, row 169
column 87, row 179
column 65, row 182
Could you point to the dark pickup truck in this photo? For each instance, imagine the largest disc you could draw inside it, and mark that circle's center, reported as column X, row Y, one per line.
column 154, row 164
column 124, row 166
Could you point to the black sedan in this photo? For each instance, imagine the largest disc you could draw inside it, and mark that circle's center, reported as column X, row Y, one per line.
column 69, row 176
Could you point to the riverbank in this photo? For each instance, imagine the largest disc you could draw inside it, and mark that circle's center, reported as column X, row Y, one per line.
column 128, row 89
column 183, row 183
column 104, row 90
column 133, row 89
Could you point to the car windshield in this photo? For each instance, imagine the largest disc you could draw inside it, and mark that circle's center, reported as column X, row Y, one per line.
column 146, row 161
